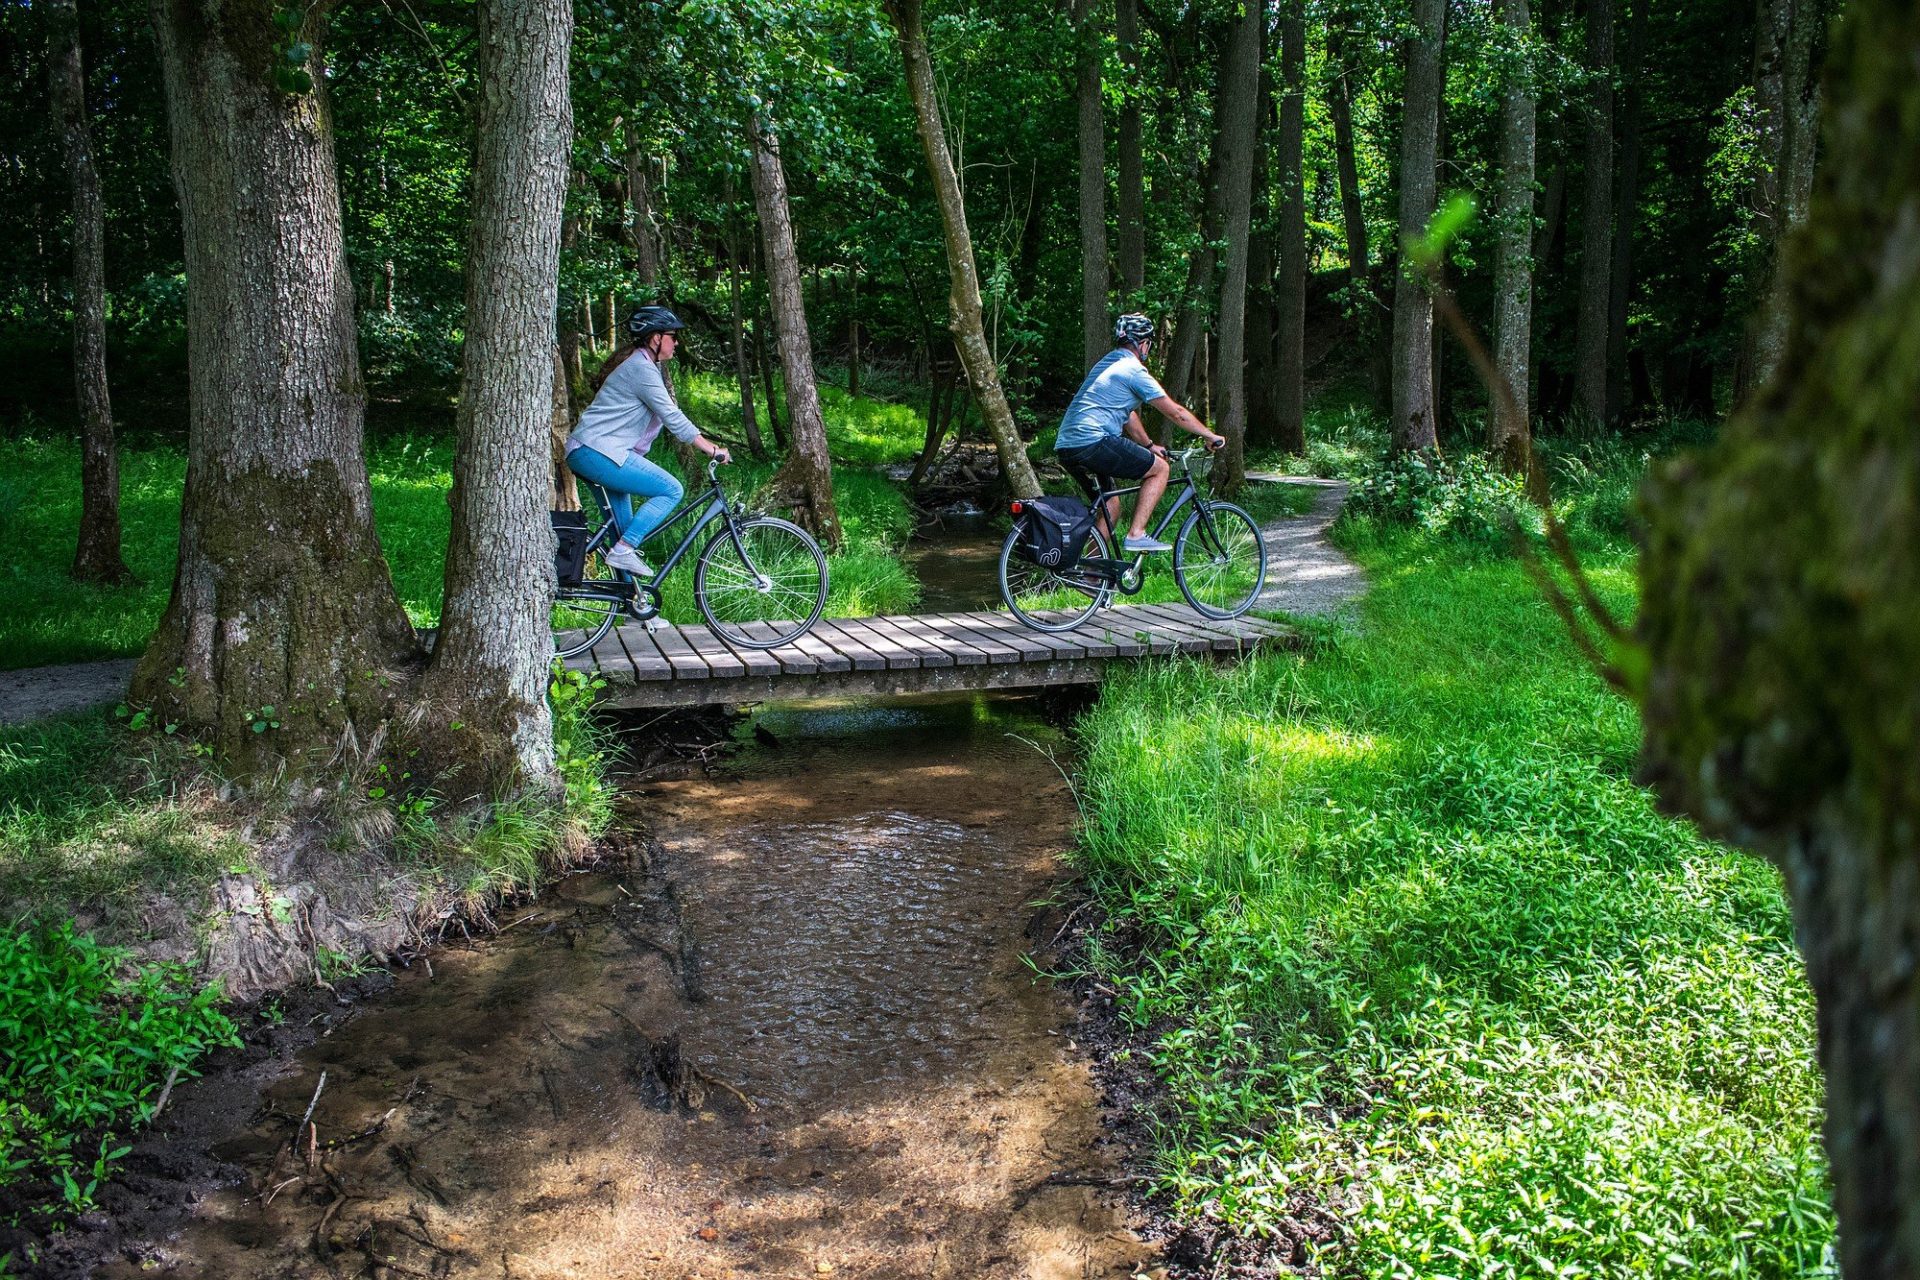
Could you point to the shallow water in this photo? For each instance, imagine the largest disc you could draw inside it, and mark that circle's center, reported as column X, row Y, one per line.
column 804, row 1042
column 957, row 565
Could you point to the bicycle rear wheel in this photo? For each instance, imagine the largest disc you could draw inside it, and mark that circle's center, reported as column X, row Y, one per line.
column 761, row 583
column 1219, row 560
column 581, row 620
column 1052, row 599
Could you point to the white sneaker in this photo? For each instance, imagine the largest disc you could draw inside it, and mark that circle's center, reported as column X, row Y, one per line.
column 1136, row 543
column 627, row 560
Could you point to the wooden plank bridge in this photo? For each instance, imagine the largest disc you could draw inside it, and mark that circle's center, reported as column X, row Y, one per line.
column 684, row 666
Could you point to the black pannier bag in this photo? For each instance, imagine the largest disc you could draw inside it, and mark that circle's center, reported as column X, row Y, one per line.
column 1056, row 530
column 569, row 545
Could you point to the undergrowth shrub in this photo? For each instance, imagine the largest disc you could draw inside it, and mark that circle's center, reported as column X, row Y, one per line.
column 1464, row 498
column 90, row 1041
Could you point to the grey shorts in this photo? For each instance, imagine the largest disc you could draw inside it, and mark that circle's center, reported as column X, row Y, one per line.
column 1106, row 459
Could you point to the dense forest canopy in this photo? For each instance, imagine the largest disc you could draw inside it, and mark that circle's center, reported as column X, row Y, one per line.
column 660, row 187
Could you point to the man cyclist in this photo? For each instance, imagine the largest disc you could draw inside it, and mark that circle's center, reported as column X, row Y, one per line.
column 1102, row 436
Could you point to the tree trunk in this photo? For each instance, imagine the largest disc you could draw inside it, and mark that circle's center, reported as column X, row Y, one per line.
column 646, row 254
column 1133, row 181
column 742, row 358
column 1781, row 628
column 486, row 685
column 1596, row 218
column 1789, row 93
column 1240, row 83
column 1510, row 433
column 566, row 487
column 1096, row 327
column 969, row 331
column 1190, row 325
column 1340, row 108
column 96, row 556
column 1414, row 428
column 806, row 478
column 1625, row 211
column 853, row 329
column 1290, row 391
column 282, row 614
column 939, row 411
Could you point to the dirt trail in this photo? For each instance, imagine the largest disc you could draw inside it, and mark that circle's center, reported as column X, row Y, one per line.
column 804, row 1044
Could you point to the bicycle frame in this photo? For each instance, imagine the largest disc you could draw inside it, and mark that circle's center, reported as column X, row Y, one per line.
column 1189, row 493
column 711, row 503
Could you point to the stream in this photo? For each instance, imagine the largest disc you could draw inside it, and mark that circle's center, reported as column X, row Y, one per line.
column 803, row 1041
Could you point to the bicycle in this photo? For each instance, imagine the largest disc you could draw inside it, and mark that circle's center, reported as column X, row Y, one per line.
column 759, row 581
column 1219, row 558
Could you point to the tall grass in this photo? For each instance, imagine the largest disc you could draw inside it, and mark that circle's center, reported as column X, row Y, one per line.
column 1410, row 945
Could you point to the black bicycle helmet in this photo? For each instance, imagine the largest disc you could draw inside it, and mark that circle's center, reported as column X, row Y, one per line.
column 651, row 319
column 1132, row 329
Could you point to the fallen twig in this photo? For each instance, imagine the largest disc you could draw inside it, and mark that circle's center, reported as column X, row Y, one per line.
column 166, row 1091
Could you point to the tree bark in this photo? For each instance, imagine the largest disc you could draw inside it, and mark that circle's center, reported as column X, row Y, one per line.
column 1240, row 81
column 1340, row 108
column 1510, row 433
column 742, row 358
column 96, row 556
column 1290, row 383
column 1195, row 298
column 1096, row 326
column 1596, row 217
column 1625, row 217
column 969, row 331
column 1133, row 181
column 1414, row 428
column 646, row 254
column 1781, row 630
column 282, row 607
column 853, row 329
column 488, row 675
column 566, row 487
column 1789, row 96
column 806, row 478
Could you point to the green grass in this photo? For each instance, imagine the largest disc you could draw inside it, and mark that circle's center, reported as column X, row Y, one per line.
column 1410, row 945
column 47, row 618
column 861, row 430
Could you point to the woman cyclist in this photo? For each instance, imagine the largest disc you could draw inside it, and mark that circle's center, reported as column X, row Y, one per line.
column 609, row 444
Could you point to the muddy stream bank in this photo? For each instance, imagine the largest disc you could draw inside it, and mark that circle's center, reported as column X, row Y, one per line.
column 802, row 1040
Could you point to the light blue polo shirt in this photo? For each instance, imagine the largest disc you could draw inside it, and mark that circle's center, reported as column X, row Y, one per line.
column 1117, row 386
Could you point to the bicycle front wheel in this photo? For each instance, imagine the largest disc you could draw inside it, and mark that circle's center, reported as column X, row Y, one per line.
column 761, row 583
column 1052, row 599
column 1219, row 560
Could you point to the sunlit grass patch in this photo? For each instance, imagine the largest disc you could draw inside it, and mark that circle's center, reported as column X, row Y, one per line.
column 1419, row 950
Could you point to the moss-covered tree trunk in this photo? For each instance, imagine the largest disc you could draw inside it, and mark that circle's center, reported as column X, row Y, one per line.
column 485, row 691
column 283, row 615
column 969, row 330
column 806, row 479
column 96, row 556
column 1781, row 618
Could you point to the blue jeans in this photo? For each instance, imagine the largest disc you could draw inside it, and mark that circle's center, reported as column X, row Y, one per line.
column 636, row 477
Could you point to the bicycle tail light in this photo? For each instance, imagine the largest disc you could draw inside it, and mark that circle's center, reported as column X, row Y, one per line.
column 1016, row 507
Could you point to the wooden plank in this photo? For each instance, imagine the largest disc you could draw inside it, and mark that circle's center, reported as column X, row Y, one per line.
column 958, row 648
column 898, row 656
column 680, row 655
column 1163, row 636
column 1246, row 625
column 829, row 658
column 997, row 650
column 611, row 659
column 919, row 646
column 1009, row 631
column 642, row 654
column 1006, row 629
column 829, row 632
column 793, row 660
column 1227, row 638
column 715, row 647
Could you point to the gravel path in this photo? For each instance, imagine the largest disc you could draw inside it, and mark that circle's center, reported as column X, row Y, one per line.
column 1306, row 574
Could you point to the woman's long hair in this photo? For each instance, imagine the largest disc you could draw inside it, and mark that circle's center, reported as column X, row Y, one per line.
column 612, row 362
